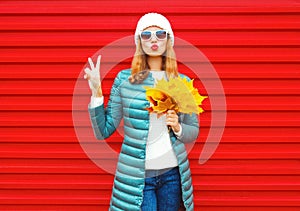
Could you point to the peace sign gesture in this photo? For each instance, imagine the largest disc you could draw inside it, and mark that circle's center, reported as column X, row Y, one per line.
column 92, row 74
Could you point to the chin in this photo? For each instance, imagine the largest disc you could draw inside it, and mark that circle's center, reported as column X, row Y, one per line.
column 154, row 53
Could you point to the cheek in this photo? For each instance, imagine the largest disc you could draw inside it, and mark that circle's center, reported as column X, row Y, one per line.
column 163, row 45
column 145, row 47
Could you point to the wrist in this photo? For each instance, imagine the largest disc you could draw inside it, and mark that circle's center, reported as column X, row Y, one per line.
column 97, row 92
column 178, row 133
column 177, row 128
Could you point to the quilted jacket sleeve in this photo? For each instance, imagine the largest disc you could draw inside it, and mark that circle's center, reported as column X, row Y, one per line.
column 105, row 121
column 190, row 127
column 189, row 124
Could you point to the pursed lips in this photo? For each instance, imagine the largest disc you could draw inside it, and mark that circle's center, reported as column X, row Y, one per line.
column 154, row 47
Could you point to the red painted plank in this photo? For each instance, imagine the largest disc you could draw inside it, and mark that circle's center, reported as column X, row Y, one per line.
column 38, row 134
column 63, row 87
column 102, row 38
column 224, row 151
column 258, row 70
column 208, row 182
column 59, row 181
column 248, row 198
column 252, row 153
column 277, row 183
column 233, row 103
column 245, row 167
column 214, row 54
column 238, row 118
column 211, row 207
column 85, row 166
column 48, row 196
column 106, row 7
column 51, row 207
column 224, row 70
column 201, row 21
column 257, row 135
column 52, row 166
column 67, row 135
column 222, row 198
column 60, row 103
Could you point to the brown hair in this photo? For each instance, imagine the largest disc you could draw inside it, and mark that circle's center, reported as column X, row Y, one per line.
column 140, row 68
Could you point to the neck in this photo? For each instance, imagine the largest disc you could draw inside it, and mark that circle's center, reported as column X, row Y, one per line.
column 154, row 62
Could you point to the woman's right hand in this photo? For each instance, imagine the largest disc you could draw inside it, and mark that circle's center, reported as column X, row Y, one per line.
column 92, row 74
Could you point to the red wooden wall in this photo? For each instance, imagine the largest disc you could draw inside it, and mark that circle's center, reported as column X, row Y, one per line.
column 254, row 47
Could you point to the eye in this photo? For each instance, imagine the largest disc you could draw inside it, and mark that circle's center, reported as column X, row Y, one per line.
column 146, row 35
column 161, row 34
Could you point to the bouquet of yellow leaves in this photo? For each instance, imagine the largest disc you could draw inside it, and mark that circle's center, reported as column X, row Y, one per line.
column 177, row 94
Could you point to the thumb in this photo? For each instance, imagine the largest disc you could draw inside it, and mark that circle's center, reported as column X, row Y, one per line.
column 87, row 76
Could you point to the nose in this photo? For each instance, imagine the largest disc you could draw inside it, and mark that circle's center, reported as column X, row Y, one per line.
column 153, row 38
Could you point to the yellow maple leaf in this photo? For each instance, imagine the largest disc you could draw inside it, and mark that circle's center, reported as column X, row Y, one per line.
column 177, row 94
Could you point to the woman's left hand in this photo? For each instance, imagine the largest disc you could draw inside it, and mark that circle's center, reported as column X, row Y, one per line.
column 172, row 120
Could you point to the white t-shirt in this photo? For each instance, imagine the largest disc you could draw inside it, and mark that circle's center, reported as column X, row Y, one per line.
column 159, row 150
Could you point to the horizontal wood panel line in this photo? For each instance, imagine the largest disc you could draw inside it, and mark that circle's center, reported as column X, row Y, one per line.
column 225, row 70
column 125, row 22
column 105, row 207
column 213, row 54
column 182, row 30
column 287, row 154
column 64, row 103
column 105, row 7
column 67, row 135
column 65, row 39
column 107, row 188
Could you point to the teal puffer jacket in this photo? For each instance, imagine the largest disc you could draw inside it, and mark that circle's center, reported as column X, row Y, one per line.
column 128, row 101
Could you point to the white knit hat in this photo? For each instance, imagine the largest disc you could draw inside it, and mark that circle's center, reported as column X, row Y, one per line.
column 153, row 19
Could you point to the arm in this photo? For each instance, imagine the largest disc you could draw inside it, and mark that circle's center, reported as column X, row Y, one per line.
column 105, row 121
column 184, row 126
column 190, row 127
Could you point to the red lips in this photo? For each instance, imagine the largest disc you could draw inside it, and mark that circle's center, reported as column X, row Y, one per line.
column 154, row 47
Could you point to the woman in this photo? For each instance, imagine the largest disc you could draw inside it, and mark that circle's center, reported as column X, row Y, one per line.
column 153, row 169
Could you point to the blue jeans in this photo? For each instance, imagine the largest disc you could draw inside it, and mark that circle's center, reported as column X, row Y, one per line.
column 162, row 192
